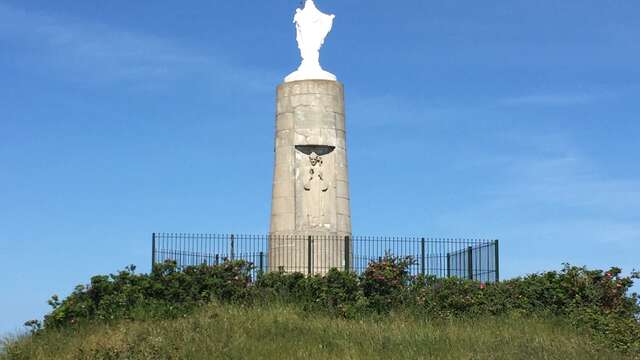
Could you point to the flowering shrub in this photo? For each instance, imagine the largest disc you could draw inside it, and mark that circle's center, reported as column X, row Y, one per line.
column 384, row 281
column 590, row 299
column 166, row 292
column 594, row 300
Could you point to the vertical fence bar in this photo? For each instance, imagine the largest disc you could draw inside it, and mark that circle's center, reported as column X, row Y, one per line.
column 448, row 265
column 153, row 250
column 347, row 259
column 180, row 250
column 470, row 262
column 261, row 262
column 233, row 247
column 497, row 259
column 309, row 255
column 422, row 256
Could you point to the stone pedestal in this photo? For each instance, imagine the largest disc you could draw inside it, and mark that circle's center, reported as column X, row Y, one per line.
column 310, row 182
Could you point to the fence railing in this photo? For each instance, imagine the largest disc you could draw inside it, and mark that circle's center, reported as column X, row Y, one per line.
column 310, row 254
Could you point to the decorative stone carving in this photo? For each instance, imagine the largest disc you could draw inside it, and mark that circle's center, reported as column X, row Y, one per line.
column 312, row 27
column 315, row 174
column 315, row 193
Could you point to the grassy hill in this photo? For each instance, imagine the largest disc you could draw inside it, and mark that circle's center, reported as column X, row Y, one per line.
column 222, row 312
column 287, row 332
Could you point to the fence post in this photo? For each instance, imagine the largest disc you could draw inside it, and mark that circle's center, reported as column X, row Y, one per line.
column 153, row 250
column 261, row 262
column 180, row 259
column 309, row 255
column 217, row 259
column 347, row 259
column 497, row 259
column 422, row 257
column 232, row 247
column 470, row 262
column 448, row 265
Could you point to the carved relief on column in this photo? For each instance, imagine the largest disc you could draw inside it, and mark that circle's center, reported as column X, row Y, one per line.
column 315, row 178
column 316, row 200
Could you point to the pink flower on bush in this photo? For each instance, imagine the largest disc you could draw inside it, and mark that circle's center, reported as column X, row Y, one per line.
column 482, row 286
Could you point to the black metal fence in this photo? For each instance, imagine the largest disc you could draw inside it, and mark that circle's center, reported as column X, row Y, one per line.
column 463, row 258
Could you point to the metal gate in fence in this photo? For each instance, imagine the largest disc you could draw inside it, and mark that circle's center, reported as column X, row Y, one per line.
column 463, row 258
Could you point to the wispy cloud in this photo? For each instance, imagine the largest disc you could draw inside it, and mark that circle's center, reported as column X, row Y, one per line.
column 554, row 206
column 550, row 99
column 571, row 182
column 96, row 52
column 388, row 109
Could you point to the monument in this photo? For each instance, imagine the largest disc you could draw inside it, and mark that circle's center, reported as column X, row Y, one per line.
column 312, row 27
column 310, row 213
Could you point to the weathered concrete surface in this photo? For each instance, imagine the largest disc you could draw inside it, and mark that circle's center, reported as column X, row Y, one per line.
column 310, row 182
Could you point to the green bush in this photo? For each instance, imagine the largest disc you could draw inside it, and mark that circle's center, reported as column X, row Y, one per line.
column 166, row 292
column 280, row 285
column 336, row 292
column 384, row 281
column 593, row 300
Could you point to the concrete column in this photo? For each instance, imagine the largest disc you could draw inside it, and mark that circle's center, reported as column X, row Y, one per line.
column 310, row 181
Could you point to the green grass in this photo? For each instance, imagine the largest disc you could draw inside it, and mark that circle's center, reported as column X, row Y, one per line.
column 286, row 332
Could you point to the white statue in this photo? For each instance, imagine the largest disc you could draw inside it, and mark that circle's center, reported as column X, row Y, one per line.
column 312, row 27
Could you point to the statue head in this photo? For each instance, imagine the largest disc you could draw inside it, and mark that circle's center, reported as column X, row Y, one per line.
column 310, row 8
column 304, row 3
column 314, row 159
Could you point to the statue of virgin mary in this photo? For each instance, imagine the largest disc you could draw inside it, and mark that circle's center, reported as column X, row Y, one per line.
column 312, row 27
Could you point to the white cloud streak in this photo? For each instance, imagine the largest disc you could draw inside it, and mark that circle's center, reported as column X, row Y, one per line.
column 556, row 208
column 99, row 53
column 550, row 99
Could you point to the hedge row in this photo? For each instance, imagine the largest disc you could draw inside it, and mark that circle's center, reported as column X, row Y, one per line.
column 596, row 300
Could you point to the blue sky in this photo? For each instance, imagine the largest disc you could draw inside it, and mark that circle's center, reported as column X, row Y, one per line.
column 516, row 120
